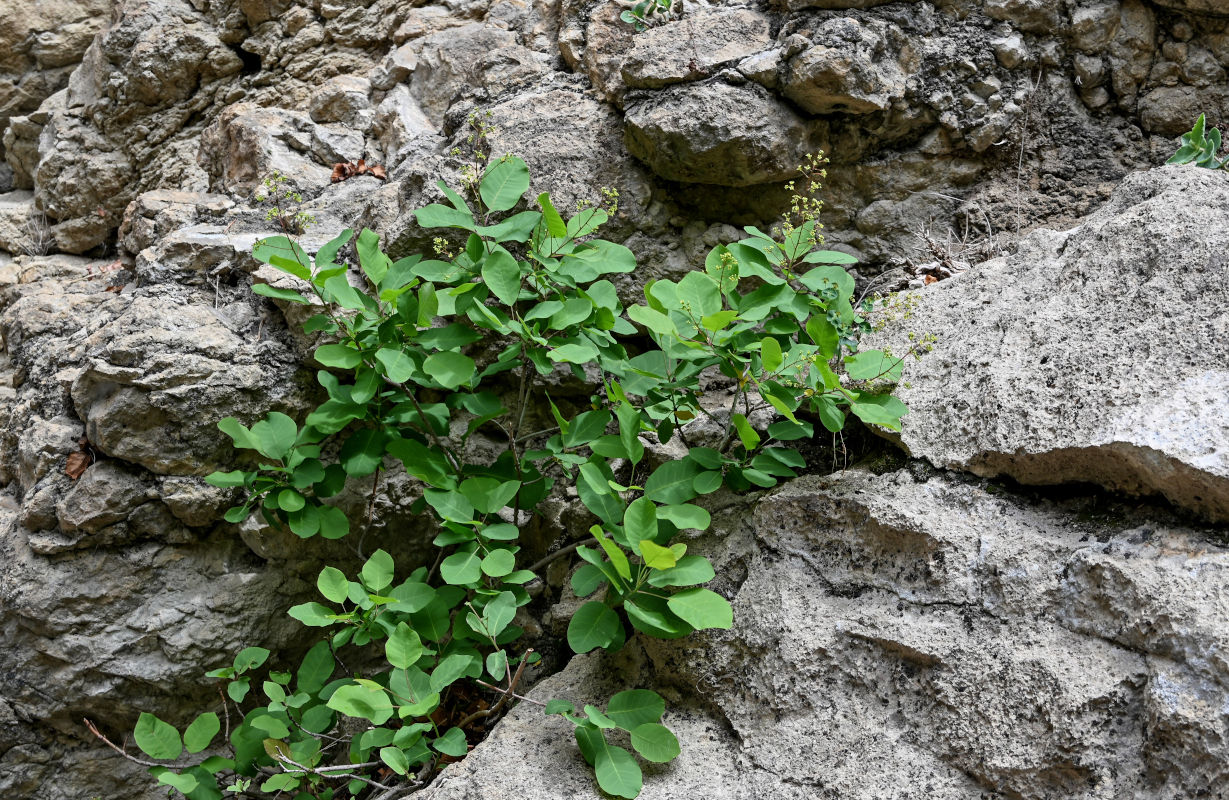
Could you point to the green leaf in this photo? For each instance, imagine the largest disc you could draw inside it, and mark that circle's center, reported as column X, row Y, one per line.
column 451, row 669
column 700, row 293
column 498, row 563
column 640, row 520
column 378, row 571
column 333, row 584
column 182, row 781
column 715, row 322
column 250, row 658
column 829, row 257
column 327, row 254
column 617, row 557
column 200, row 733
column 451, row 505
column 555, row 225
column 598, row 718
column 338, row 356
column 313, row 614
column 315, row 669
column 363, row 452
column 502, row 275
column 238, row 689
column 882, row 410
column 440, row 216
column 396, row 759
column 499, row 612
column 746, row 434
column 702, row 608
column 593, row 625
column 270, row 724
column 656, row 556
column 870, row 365
column 333, row 522
column 635, row 707
column 707, row 482
column 397, row 365
column 497, row 664
column 274, row 435
column 629, row 432
column 286, row 295
column 374, row 263
column 686, row 516
column 226, row 480
column 449, row 368
column 156, row 738
column 617, row 771
column 503, row 184
column 770, row 354
column 364, row 702
column 574, row 353
column 586, row 580
column 655, row 321
column 689, row 571
column 404, row 647
column 824, row 334
column 829, row 276
column 452, row 743
column 286, row 250
column 655, row 742
column 462, row 568
column 557, row 706
column 672, row 482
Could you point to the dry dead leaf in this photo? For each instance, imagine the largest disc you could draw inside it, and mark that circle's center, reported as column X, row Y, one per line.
column 76, row 465
column 348, row 169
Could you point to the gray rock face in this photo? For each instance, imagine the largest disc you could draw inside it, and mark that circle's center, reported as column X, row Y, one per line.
column 719, row 134
column 897, row 638
column 1098, row 355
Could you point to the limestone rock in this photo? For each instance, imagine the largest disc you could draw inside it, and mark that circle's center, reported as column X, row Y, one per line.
column 855, row 69
column 40, row 42
column 1095, row 355
column 248, row 144
column 156, row 372
column 957, row 642
column 341, row 99
column 718, row 134
column 694, row 47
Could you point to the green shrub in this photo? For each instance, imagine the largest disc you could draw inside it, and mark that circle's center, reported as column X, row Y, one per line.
column 430, row 351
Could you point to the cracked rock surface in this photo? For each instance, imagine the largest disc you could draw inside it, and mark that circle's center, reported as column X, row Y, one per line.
column 1098, row 355
column 898, row 637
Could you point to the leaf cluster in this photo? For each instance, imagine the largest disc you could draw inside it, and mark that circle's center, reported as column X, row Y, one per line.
column 1200, row 146
column 417, row 356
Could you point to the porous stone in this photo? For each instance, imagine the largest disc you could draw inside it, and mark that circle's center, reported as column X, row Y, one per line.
column 957, row 642
column 1096, row 355
column 856, row 69
column 718, row 134
column 694, row 47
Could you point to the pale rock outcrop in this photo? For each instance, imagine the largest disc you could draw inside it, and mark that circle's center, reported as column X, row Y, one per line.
column 41, row 41
column 1097, row 355
column 718, row 134
column 901, row 637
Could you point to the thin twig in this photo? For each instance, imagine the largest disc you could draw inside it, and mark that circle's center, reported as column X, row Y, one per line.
column 561, row 552
column 520, row 670
column 514, row 694
column 94, row 730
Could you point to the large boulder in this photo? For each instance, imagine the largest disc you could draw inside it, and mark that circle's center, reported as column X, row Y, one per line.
column 1097, row 355
column 901, row 637
column 719, row 134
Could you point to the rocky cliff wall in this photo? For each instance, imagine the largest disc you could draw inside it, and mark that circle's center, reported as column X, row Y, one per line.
column 129, row 328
